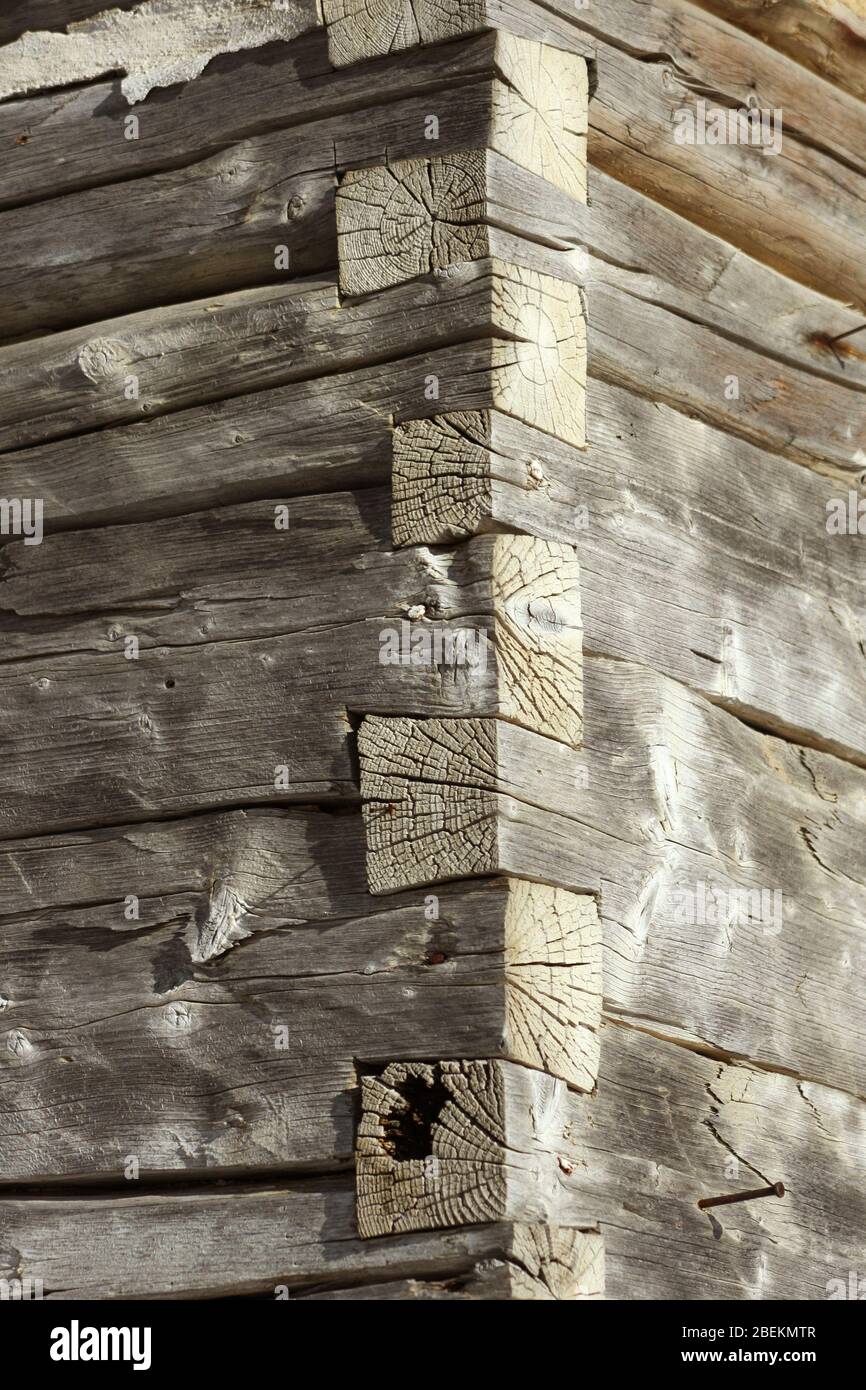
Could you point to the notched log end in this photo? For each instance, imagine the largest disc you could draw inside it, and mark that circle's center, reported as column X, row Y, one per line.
column 553, row 977
column 539, row 636
column 441, row 478
column 556, row 1262
column 540, row 111
column 361, row 29
column 430, row 1147
column 427, row 816
column 410, row 218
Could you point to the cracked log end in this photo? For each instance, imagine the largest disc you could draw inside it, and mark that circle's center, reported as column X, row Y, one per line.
column 556, row 1262
column 539, row 636
column 470, row 472
column 540, row 113
column 360, row 29
column 434, row 807
column 553, row 989
column 453, row 1143
column 410, row 218
column 538, row 370
column 442, row 478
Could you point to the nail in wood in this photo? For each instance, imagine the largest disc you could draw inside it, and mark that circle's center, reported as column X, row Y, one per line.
column 777, row 1190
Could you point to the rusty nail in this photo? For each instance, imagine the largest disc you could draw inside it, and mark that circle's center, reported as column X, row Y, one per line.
column 848, row 334
column 776, row 1190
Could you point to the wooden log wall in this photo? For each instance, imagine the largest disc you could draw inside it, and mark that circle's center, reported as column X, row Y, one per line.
column 434, row 769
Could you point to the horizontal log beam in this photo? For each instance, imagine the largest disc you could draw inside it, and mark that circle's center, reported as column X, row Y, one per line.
column 228, row 971
column 532, row 329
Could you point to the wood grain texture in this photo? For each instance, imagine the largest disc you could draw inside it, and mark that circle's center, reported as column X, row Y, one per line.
column 828, row 39
column 655, row 1138
column 767, row 628
column 457, row 1143
column 719, row 854
column 257, row 211
column 416, row 217
column 225, row 975
column 204, row 351
column 55, row 143
column 292, row 1241
column 240, row 690
column 358, row 30
column 76, row 381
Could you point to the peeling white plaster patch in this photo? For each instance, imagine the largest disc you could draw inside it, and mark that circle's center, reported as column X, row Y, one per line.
column 158, row 43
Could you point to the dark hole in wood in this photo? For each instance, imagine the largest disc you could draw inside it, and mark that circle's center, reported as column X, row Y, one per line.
column 408, row 1132
column 169, row 684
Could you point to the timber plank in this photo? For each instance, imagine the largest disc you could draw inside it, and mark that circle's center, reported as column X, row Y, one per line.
column 250, row 700
column 804, row 189
column 767, row 613
column 193, row 353
column 829, row 41
column 774, row 614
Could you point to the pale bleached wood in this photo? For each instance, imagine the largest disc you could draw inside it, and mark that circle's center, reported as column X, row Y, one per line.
column 158, row 44
column 232, row 1010
column 454, row 1143
column 670, row 799
column 244, row 341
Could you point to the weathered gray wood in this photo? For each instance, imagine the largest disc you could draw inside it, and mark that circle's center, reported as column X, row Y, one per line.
column 539, row 1262
column 769, row 629
column 669, row 259
column 75, row 381
column 292, row 1241
column 242, row 688
column 160, row 43
column 656, row 1138
column 532, row 327
column 52, row 144
column 719, row 854
column 227, row 973
column 669, row 1126
column 256, row 210
column 778, row 407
